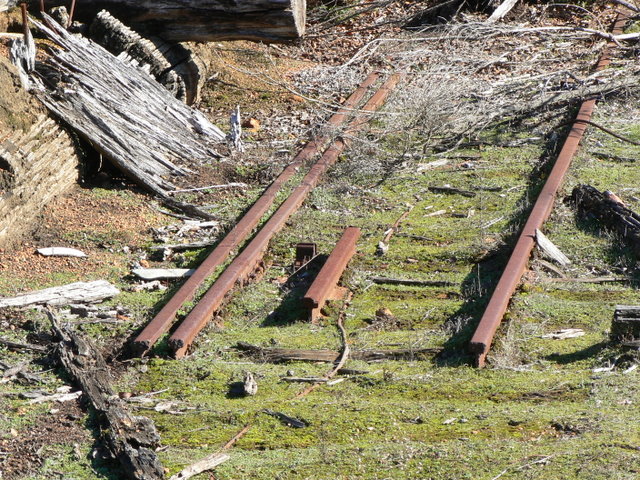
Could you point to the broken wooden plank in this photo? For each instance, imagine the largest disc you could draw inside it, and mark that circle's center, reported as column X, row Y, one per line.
column 131, row 439
column 78, row 292
column 162, row 273
column 208, row 463
column 550, row 250
column 127, row 116
column 61, row 252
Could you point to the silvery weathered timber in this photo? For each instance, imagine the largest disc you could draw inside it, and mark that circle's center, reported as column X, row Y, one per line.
column 126, row 115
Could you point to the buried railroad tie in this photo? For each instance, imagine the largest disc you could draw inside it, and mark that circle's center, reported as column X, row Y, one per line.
column 517, row 264
column 324, row 286
column 238, row 234
column 244, row 264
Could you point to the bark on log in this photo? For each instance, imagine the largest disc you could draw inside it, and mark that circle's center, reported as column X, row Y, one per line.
column 124, row 113
column 610, row 212
column 198, row 20
column 131, row 439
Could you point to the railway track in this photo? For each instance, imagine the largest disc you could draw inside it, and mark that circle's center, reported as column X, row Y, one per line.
column 247, row 261
column 517, row 264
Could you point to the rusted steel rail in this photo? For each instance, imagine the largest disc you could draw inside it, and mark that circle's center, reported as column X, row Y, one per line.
column 324, row 286
column 492, row 317
column 239, row 233
column 244, row 264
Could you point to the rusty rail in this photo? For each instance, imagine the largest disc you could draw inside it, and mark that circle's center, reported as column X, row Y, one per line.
column 245, row 263
column 239, row 233
column 324, row 286
column 492, row 317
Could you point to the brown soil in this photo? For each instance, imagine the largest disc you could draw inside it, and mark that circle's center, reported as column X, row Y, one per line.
column 23, row 454
column 99, row 225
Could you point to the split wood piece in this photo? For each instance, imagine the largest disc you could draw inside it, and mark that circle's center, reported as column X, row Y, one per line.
column 326, row 282
column 609, row 210
column 239, row 233
column 61, row 252
column 35, row 166
column 550, row 250
column 208, row 463
column 517, row 264
column 278, row 355
column 131, row 439
column 408, row 281
column 265, row 21
column 625, row 326
column 162, row 273
column 78, row 292
column 502, row 10
column 243, row 266
column 124, row 113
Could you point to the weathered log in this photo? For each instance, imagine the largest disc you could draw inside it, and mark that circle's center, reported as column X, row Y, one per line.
column 78, row 292
column 607, row 209
column 124, row 113
column 131, row 439
column 198, row 20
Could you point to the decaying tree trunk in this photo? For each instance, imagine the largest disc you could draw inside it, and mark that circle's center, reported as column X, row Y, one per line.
column 609, row 210
column 35, row 166
column 131, row 439
column 124, row 113
column 197, row 20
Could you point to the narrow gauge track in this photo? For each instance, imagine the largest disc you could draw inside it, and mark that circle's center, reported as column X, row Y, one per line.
column 517, row 264
column 244, row 264
column 161, row 323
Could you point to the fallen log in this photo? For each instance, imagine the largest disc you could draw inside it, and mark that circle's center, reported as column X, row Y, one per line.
column 270, row 21
column 131, row 439
column 124, row 113
column 608, row 210
column 279, row 355
column 78, row 292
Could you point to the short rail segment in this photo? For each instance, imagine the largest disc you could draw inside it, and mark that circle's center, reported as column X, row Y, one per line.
column 324, row 286
column 239, row 233
column 497, row 306
column 246, row 262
